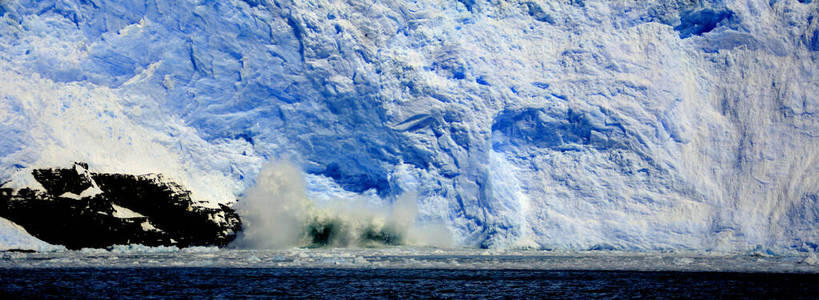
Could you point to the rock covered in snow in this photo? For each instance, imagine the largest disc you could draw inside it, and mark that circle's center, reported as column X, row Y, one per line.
column 81, row 209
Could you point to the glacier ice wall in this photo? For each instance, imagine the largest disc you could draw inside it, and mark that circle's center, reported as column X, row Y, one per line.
column 568, row 124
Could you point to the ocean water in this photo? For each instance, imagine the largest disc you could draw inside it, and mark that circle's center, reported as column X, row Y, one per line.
column 402, row 272
column 395, row 283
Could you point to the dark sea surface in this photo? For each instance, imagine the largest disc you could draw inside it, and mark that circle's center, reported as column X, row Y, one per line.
column 231, row 283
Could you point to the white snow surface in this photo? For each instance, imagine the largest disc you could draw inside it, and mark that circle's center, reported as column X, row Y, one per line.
column 124, row 213
column 15, row 237
column 552, row 124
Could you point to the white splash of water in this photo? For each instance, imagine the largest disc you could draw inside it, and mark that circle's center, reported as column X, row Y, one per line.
column 278, row 214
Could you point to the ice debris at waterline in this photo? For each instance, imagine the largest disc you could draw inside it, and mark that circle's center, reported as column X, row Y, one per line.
column 407, row 257
column 636, row 125
column 78, row 208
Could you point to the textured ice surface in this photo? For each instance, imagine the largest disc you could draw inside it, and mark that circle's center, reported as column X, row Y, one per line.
column 553, row 124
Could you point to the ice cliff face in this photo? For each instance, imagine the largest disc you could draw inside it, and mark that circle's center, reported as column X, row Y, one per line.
column 573, row 124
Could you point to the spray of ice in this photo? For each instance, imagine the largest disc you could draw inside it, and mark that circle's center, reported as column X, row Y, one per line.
column 278, row 214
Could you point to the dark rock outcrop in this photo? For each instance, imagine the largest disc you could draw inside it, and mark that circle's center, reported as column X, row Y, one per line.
column 81, row 209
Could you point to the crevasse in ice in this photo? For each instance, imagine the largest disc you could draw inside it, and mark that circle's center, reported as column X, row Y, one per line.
column 554, row 124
